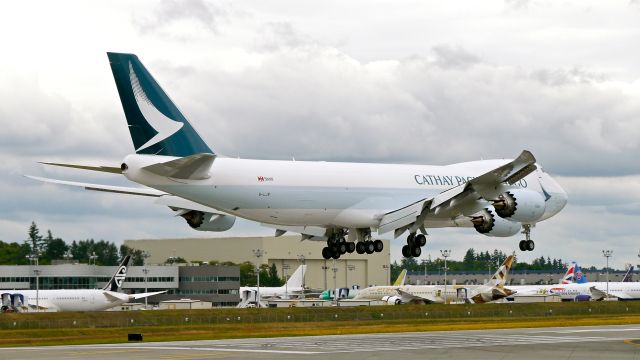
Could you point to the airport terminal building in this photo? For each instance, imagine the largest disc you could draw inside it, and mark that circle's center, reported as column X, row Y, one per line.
column 217, row 284
column 286, row 252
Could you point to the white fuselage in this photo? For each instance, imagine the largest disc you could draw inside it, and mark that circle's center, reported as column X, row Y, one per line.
column 621, row 290
column 70, row 300
column 349, row 195
column 434, row 292
column 270, row 292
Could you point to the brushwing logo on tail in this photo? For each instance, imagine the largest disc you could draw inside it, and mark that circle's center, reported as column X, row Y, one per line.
column 164, row 126
column 120, row 275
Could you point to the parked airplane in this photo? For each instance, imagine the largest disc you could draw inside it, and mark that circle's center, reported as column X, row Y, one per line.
column 351, row 293
column 293, row 287
column 73, row 299
column 491, row 291
column 340, row 203
column 628, row 277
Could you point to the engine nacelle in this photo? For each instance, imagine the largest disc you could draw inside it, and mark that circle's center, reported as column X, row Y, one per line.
column 520, row 205
column 392, row 300
column 487, row 222
column 205, row 221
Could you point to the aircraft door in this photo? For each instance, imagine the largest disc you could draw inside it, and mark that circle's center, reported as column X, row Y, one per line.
column 462, row 294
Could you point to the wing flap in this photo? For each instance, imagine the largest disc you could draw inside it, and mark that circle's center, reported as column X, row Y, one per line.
column 194, row 167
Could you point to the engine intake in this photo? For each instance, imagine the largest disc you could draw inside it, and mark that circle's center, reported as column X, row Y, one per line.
column 520, row 205
column 487, row 222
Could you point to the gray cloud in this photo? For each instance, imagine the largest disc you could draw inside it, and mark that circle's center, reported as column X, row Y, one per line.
column 170, row 12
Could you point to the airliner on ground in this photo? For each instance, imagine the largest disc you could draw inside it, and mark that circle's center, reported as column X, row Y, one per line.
column 293, row 287
column 73, row 299
column 351, row 293
column 491, row 291
column 340, row 203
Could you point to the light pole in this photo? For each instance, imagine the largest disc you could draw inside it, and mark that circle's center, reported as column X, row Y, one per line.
column 285, row 267
column 424, row 263
column 607, row 254
column 258, row 253
column 325, row 268
column 93, row 257
column 445, row 255
column 303, row 260
column 145, row 255
column 33, row 258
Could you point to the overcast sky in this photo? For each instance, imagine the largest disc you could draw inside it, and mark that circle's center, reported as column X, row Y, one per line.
column 426, row 82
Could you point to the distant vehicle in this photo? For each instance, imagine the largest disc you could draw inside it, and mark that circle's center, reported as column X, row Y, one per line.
column 341, row 204
column 73, row 299
column 293, row 287
column 491, row 291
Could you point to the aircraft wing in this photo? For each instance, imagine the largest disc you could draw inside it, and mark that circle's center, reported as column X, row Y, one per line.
column 144, row 295
column 598, row 294
column 406, row 297
column 485, row 186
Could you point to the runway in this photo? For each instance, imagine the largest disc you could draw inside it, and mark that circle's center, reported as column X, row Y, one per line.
column 610, row 342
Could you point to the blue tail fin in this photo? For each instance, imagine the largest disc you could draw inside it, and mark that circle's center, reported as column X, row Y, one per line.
column 155, row 123
column 580, row 278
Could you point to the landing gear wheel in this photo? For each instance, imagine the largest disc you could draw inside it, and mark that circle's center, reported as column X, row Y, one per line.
column 351, row 247
column 378, row 245
column 530, row 245
column 406, row 251
column 522, row 245
column 326, row 253
column 420, row 240
column 416, row 251
column 369, row 248
column 342, row 248
column 360, row 248
column 410, row 239
column 335, row 255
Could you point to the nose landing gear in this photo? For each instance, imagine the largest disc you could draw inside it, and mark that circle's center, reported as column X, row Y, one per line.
column 527, row 244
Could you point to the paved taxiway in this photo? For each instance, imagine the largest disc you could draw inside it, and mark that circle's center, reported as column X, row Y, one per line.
column 598, row 342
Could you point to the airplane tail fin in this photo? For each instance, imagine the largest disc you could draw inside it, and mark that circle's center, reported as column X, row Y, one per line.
column 155, row 123
column 569, row 276
column 401, row 278
column 579, row 277
column 296, row 279
column 494, row 289
column 628, row 277
column 118, row 278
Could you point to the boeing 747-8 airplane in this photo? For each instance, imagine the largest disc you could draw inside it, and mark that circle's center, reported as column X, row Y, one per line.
column 340, row 203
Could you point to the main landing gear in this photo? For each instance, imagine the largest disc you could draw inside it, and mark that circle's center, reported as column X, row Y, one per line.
column 527, row 244
column 414, row 245
column 337, row 245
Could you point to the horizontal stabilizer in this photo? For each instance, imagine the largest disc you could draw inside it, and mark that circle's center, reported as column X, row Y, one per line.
column 107, row 169
column 106, row 188
column 194, row 167
column 144, row 295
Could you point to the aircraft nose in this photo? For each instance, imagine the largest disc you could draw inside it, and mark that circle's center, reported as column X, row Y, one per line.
column 558, row 197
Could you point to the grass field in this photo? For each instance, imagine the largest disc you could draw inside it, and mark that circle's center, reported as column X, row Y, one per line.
column 112, row 327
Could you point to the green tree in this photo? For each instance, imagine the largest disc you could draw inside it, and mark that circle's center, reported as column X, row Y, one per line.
column 136, row 255
column 248, row 274
column 34, row 239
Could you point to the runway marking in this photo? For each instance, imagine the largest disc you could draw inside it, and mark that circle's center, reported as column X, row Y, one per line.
column 635, row 342
column 584, row 330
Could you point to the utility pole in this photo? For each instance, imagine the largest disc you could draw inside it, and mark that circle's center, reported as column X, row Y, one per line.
column 445, row 255
column 258, row 253
column 145, row 255
column 607, row 254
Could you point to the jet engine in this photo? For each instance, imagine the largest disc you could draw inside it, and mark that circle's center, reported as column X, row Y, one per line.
column 520, row 205
column 392, row 300
column 487, row 222
column 205, row 221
